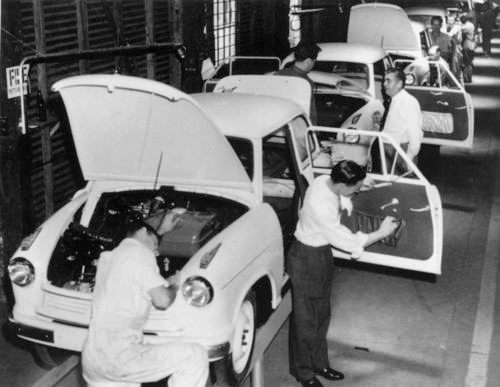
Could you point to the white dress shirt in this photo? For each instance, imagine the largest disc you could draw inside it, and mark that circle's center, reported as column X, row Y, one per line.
column 404, row 122
column 319, row 220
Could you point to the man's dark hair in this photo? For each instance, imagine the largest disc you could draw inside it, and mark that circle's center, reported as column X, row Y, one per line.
column 347, row 172
column 306, row 49
column 438, row 19
column 134, row 224
column 400, row 74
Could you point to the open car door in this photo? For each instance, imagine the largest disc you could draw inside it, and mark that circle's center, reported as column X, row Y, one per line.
column 447, row 108
column 398, row 189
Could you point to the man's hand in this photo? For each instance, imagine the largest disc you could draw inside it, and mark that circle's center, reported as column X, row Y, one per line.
column 174, row 281
column 388, row 225
column 170, row 220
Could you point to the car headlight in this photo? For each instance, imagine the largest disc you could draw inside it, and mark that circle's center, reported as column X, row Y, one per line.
column 197, row 291
column 352, row 138
column 21, row 271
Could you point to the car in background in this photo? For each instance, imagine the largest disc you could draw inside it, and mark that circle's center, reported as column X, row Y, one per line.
column 235, row 65
column 348, row 84
column 447, row 107
column 236, row 165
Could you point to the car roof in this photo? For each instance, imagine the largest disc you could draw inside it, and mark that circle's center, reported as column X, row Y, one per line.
column 350, row 52
column 246, row 115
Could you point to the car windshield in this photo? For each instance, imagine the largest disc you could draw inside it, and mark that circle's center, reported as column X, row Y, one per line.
column 358, row 72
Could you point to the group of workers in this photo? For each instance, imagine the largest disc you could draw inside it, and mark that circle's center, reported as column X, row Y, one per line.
column 457, row 46
column 128, row 282
column 310, row 259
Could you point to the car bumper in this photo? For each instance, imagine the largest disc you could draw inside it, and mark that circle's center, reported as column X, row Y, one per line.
column 71, row 337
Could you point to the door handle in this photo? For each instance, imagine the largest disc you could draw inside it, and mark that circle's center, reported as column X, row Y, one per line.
column 436, row 92
column 444, row 103
column 461, row 107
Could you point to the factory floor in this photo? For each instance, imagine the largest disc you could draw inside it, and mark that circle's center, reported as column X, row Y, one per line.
column 393, row 328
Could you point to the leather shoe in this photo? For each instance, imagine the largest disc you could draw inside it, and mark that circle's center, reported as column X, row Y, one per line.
column 330, row 374
column 313, row 382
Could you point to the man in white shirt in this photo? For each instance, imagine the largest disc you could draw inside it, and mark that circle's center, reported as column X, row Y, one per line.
column 310, row 265
column 128, row 284
column 404, row 118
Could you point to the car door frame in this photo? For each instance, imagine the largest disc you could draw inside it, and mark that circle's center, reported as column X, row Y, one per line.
column 430, row 265
column 435, row 100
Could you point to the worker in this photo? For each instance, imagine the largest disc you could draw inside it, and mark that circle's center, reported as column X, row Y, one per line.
column 438, row 79
column 468, row 46
column 403, row 121
column 441, row 39
column 305, row 53
column 310, row 266
column 127, row 284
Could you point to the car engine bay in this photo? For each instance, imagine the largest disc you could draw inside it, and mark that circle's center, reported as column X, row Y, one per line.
column 74, row 261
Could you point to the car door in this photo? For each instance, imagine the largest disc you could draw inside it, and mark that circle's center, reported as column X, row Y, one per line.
column 447, row 108
column 397, row 189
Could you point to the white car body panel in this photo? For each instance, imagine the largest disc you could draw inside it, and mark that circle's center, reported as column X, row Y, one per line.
column 295, row 89
column 139, row 143
column 382, row 25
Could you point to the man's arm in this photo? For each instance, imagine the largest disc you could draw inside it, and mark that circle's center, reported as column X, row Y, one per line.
column 162, row 296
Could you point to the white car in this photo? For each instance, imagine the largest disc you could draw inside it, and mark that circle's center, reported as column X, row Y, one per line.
column 237, row 165
column 447, row 107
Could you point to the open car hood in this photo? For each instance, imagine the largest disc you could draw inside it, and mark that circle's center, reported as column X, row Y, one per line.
column 135, row 129
column 295, row 89
column 383, row 25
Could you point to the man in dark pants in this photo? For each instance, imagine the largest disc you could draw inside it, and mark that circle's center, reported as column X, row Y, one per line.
column 306, row 53
column 310, row 265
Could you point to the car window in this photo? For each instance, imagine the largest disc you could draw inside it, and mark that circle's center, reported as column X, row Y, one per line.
column 244, row 151
column 276, row 158
column 355, row 71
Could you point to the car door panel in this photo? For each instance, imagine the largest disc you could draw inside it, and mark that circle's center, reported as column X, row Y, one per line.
column 445, row 115
column 447, row 112
column 409, row 204
column 409, row 197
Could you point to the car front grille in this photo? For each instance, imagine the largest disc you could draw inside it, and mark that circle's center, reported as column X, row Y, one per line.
column 65, row 308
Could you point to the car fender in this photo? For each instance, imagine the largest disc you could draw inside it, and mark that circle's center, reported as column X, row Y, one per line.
column 247, row 250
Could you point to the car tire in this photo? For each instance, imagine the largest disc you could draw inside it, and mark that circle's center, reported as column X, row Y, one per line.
column 232, row 370
column 49, row 357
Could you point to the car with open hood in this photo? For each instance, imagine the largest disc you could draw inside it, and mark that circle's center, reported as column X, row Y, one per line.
column 447, row 107
column 235, row 166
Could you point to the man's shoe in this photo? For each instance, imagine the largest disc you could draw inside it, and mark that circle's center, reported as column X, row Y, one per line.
column 313, row 382
column 330, row 374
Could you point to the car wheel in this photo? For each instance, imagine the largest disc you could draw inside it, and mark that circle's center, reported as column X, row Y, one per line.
column 49, row 357
column 244, row 336
column 232, row 369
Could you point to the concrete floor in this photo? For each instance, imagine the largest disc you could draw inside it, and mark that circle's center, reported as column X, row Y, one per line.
column 391, row 328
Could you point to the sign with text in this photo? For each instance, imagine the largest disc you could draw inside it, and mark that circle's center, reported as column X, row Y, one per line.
column 14, row 81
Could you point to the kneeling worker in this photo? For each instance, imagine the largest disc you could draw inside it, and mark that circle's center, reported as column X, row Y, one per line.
column 128, row 282
column 310, row 265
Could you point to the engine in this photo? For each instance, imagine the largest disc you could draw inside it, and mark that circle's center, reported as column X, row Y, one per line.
column 74, row 261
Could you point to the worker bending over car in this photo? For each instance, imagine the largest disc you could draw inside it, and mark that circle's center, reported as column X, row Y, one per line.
column 128, row 283
column 310, row 265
